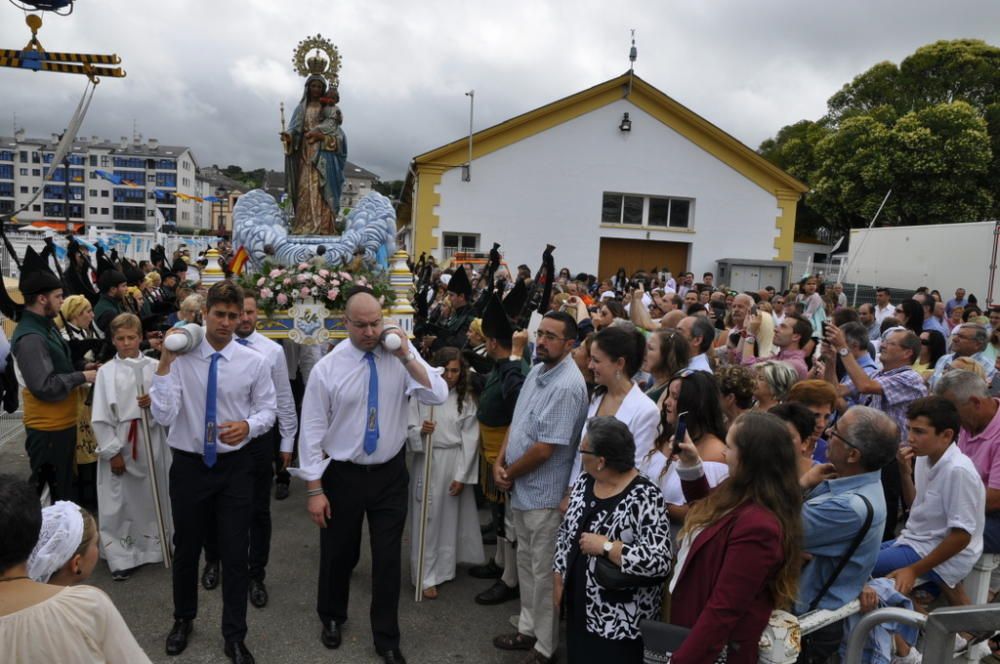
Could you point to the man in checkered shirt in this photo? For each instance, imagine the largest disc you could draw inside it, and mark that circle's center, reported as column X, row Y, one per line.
column 890, row 390
column 534, row 464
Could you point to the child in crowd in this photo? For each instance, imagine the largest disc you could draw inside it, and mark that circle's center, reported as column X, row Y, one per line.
column 129, row 533
column 66, row 552
column 452, row 531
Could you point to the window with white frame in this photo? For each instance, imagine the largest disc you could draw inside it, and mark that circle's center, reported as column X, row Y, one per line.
column 639, row 210
column 459, row 242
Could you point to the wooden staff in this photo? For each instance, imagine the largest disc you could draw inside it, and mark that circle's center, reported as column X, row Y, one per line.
column 428, row 452
column 154, row 483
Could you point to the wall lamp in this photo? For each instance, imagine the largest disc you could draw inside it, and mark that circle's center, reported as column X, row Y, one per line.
column 626, row 124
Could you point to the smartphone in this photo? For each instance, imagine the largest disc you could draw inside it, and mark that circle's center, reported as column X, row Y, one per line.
column 823, row 325
column 680, row 431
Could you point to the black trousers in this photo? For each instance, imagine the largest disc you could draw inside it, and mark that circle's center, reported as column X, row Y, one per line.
column 197, row 494
column 380, row 493
column 51, row 455
column 260, row 520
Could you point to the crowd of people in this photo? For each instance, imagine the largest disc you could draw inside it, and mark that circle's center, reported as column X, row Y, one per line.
column 664, row 463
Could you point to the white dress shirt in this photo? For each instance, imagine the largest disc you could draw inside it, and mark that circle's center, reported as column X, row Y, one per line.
column 288, row 421
column 700, row 363
column 335, row 404
column 245, row 393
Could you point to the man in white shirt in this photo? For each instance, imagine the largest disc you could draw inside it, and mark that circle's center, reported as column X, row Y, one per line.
column 700, row 333
column 883, row 307
column 215, row 398
column 271, row 451
column 351, row 454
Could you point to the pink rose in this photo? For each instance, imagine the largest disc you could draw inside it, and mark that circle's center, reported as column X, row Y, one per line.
column 318, row 280
column 302, row 278
column 303, row 292
column 287, row 282
column 324, row 273
column 266, row 293
column 282, row 299
column 332, row 294
column 345, row 275
column 275, row 273
column 335, row 282
column 303, row 266
column 260, row 282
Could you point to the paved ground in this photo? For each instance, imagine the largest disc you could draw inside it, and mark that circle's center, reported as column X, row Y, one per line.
column 451, row 628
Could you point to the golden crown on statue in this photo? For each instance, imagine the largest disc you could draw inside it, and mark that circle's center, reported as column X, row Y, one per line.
column 318, row 56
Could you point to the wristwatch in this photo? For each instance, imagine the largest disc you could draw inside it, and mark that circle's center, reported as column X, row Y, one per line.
column 842, row 352
column 607, row 546
column 409, row 357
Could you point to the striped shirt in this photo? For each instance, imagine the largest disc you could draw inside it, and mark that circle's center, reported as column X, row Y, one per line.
column 900, row 387
column 551, row 409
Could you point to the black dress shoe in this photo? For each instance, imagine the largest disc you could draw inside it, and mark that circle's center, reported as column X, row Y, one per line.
column 488, row 571
column 238, row 653
column 331, row 635
column 177, row 640
column 258, row 593
column 393, row 656
column 210, row 576
column 498, row 593
column 281, row 491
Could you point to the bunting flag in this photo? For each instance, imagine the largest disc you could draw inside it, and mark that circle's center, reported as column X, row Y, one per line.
column 116, row 179
column 238, row 261
column 188, row 197
column 212, row 199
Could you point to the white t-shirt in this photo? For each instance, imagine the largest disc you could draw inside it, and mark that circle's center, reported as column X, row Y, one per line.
column 950, row 494
column 669, row 482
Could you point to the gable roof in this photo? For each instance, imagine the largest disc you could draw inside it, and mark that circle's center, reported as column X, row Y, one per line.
column 675, row 115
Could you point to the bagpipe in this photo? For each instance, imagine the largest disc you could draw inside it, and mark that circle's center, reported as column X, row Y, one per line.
column 541, row 289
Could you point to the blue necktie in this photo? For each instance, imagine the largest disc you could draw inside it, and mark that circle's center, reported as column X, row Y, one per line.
column 371, row 428
column 243, row 342
column 213, row 383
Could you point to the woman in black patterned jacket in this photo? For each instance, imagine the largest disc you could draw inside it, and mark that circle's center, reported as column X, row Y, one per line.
column 617, row 514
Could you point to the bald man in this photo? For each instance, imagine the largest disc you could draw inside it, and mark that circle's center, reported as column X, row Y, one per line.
column 351, row 454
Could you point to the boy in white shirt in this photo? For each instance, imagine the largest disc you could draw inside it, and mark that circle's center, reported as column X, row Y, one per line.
column 943, row 537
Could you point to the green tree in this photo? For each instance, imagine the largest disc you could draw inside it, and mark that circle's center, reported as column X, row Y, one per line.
column 929, row 129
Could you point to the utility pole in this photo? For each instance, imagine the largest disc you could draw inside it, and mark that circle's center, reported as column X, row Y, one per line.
column 467, row 170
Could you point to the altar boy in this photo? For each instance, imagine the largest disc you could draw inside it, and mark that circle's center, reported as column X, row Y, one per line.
column 129, row 536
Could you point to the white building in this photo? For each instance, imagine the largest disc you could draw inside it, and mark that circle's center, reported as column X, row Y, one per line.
column 618, row 175
column 155, row 173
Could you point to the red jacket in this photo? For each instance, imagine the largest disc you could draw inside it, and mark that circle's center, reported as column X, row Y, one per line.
column 721, row 593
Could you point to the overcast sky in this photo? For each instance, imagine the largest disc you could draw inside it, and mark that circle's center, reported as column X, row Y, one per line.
column 210, row 74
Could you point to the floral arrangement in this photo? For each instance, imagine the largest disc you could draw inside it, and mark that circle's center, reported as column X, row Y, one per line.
column 280, row 287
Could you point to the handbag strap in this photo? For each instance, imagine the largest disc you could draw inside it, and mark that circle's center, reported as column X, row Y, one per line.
column 869, row 515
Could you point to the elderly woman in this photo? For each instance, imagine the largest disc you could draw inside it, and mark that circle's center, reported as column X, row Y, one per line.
column 54, row 622
column 86, row 344
column 774, row 380
column 616, row 522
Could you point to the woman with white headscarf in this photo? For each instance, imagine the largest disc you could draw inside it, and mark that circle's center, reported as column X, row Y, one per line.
column 45, row 622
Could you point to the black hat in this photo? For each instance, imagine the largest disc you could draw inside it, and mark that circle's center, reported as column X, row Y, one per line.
column 36, row 277
column 496, row 325
column 515, row 299
column 103, row 263
column 180, row 265
column 133, row 274
column 73, row 247
column 157, row 254
column 459, row 283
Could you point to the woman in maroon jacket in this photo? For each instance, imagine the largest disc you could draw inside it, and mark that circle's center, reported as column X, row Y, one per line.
column 740, row 546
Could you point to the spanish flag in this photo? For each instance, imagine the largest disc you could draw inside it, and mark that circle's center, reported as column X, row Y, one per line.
column 238, row 261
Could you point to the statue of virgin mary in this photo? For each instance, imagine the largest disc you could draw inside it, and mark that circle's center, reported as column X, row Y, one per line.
column 315, row 158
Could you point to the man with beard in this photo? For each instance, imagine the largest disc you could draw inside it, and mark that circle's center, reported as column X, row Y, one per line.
column 49, row 381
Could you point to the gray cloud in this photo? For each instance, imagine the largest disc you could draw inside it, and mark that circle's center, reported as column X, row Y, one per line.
column 211, row 74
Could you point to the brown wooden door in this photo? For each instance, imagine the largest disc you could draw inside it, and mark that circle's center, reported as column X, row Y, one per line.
column 636, row 255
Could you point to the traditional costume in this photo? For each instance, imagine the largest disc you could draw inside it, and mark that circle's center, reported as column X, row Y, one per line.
column 454, row 331
column 128, row 528
column 452, row 533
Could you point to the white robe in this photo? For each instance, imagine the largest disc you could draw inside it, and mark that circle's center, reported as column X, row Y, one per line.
column 452, row 534
column 128, row 533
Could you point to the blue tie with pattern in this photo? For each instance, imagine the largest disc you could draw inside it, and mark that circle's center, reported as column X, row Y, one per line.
column 371, row 426
column 243, row 342
column 210, row 424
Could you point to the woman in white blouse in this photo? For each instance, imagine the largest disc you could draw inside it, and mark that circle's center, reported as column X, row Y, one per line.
column 616, row 354
column 42, row 622
column 696, row 394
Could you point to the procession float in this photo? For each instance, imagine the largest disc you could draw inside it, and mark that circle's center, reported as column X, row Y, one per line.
column 303, row 254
